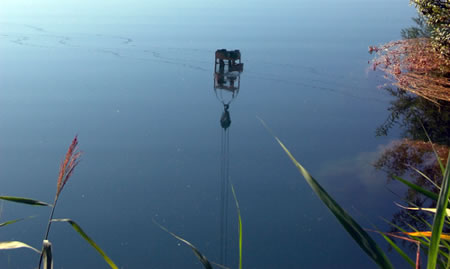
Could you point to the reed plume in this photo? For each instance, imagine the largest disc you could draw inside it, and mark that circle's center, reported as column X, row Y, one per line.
column 68, row 165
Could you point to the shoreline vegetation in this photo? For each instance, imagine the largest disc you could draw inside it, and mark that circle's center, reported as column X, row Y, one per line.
column 419, row 66
column 414, row 65
column 420, row 62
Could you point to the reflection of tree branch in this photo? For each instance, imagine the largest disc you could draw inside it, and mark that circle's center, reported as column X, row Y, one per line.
column 410, row 111
column 422, row 29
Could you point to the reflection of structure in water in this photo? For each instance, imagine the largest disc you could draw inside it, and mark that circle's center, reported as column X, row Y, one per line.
column 230, row 56
column 227, row 70
column 225, row 120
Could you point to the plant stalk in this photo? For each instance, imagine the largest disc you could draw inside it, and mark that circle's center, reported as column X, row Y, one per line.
column 49, row 224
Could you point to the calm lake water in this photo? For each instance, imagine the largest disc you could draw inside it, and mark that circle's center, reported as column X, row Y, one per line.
column 135, row 81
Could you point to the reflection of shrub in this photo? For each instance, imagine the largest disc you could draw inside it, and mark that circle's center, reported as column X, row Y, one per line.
column 403, row 156
column 415, row 66
column 411, row 113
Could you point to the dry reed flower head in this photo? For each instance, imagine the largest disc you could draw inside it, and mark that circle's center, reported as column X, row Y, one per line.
column 68, row 165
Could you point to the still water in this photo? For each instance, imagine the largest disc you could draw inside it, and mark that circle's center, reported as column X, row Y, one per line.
column 135, row 81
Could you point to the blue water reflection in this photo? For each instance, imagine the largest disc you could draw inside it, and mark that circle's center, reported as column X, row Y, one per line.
column 135, row 82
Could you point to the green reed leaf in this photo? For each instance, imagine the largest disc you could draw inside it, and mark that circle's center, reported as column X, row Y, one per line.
column 240, row 225
column 351, row 226
column 425, row 176
column 16, row 244
column 10, row 222
column 23, row 200
column 417, row 188
column 399, row 250
column 202, row 258
column 78, row 229
column 441, row 165
column 439, row 218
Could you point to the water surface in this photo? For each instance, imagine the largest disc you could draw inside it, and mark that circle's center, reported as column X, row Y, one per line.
column 135, row 82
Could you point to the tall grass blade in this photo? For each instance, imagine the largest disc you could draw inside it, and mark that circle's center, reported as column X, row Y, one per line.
column 16, row 244
column 240, row 225
column 399, row 250
column 432, row 210
column 78, row 229
column 439, row 218
column 24, row 200
column 441, row 165
column 425, row 243
column 47, row 255
column 351, row 226
column 417, row 188
column 425, row 176
column 10, row 222
column 427, row 234
column 396, row 248
column 420, row 240
column 416, row 232
column 202, row 258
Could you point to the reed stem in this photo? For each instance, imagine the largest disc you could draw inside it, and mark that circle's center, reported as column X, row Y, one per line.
column 49, row 224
